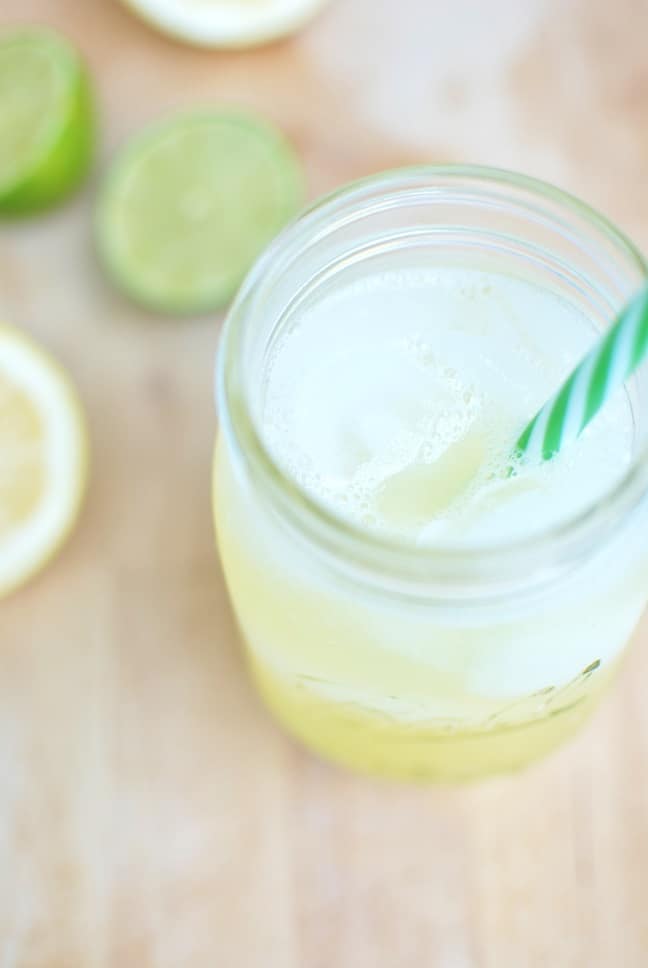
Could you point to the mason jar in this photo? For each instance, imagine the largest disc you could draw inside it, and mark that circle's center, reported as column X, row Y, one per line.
column 441, row 663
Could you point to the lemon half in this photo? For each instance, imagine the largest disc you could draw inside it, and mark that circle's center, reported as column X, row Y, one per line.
column 226, row 23
column 43, row 458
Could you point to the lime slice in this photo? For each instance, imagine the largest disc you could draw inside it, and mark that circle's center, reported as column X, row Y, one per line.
column 226, row 23
column 190, row 204
column 43, row 458
column 45, row 120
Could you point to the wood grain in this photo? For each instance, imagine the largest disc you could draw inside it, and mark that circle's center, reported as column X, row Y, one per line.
column 151, row 815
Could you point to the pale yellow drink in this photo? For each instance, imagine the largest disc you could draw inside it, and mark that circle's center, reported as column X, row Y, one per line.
column 385, row 406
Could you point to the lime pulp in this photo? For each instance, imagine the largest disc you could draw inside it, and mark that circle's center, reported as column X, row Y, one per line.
column 190, row 204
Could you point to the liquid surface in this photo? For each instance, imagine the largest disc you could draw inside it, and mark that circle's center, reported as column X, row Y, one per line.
column 396, row 401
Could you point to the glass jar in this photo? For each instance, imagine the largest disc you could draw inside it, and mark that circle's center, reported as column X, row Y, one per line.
column 366, row 647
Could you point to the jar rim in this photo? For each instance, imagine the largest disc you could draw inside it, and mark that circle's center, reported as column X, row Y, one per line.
column 435, row 569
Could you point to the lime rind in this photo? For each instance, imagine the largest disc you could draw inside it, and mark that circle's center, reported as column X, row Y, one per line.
column 156, row 260
column 62, row 151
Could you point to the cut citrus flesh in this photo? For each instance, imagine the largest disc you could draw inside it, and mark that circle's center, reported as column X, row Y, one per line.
column 43, row 458
column 191, row 203
column 46, row 129
column 226, row 23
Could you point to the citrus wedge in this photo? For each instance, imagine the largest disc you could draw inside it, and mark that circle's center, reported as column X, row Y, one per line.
column 43, row 458
column 226, row 23
column 190, row 204
column 46, row 129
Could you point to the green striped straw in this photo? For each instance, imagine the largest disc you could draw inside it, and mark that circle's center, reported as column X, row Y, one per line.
column 605, row 368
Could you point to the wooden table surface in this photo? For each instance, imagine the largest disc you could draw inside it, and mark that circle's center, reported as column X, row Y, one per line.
column 151, row 815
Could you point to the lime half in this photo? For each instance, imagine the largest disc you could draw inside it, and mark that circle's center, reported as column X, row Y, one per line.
column 46, row 130
column 190, row 204
column 226, row 23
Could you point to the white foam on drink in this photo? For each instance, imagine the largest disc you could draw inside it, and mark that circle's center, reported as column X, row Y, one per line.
column 396, row 399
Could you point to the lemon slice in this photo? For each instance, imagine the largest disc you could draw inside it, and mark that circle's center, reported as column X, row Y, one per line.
column 226, row 23
column 46, row 128
column 190, row 204
column 43, row 458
